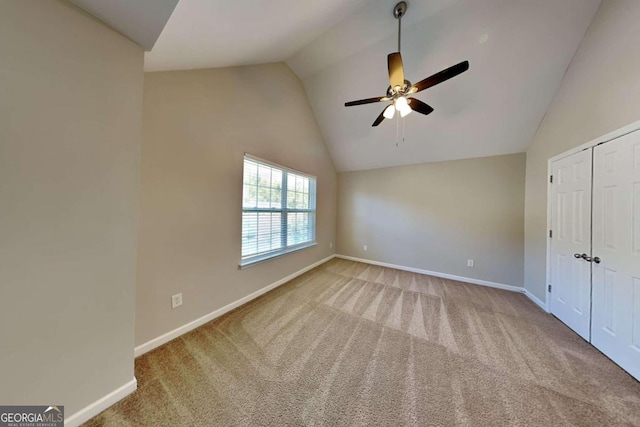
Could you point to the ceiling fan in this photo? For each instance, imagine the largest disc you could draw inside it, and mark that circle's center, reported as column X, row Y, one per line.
column 399, row 88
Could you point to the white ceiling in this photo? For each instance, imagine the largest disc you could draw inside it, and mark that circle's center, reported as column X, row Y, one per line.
column 222, row 33
column 518, row 51
column 140, row 20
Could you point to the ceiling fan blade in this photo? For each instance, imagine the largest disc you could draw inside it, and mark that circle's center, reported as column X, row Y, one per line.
column 440, row 77
column 365, row 101
column 396, row 70
column 380, row 118
column 419, row 106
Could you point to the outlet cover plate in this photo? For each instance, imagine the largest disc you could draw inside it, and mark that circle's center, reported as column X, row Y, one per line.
column 176, row 300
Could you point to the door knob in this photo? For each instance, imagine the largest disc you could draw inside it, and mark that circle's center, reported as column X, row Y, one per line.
column 597, row 260
column 585, row 257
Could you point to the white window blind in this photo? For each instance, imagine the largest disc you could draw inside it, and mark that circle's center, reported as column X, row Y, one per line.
column 278, row 210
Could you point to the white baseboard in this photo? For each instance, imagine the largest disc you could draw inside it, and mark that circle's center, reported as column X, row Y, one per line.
column 436, row 274
column 165, row 338
column 535, row 299
column 88, row 412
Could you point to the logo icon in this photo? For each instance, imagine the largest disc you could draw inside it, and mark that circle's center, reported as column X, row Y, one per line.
column 32, row 416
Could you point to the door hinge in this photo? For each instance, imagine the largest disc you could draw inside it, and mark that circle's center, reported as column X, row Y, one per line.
column 551, row 179
column 550, row 233
column 549, row 288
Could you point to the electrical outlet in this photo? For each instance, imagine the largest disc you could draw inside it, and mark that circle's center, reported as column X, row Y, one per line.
column 470, row 263
column 364, row 247
column 176, row 300
column 330, row 245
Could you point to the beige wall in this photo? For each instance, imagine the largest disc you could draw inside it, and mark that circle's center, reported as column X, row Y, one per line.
column 599, row 93
column 70, row 111
column 436, row 216
column 196, row 127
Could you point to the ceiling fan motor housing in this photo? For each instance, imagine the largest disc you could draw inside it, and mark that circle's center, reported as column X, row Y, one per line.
column 392, row 92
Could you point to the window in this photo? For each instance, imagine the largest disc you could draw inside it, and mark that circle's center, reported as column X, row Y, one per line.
column 278, row 210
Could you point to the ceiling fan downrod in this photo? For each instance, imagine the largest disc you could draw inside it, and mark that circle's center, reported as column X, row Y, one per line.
column 398, row 13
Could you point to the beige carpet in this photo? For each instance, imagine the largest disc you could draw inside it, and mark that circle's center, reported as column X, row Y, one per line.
column 349, row 344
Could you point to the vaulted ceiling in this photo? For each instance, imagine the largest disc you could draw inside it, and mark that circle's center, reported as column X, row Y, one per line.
column 141, row 20
column 224, row 33
column 518, row 51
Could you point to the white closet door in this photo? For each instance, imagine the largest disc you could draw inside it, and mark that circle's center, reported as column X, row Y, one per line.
column 571, row 214
column 616, row 244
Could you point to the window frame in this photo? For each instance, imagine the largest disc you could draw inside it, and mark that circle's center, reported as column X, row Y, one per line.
column 284, row 210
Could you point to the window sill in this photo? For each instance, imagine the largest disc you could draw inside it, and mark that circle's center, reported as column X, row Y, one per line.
column 253, row 261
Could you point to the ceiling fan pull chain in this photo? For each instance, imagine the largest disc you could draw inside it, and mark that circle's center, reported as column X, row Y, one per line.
column 397, row 129
column 403, row 130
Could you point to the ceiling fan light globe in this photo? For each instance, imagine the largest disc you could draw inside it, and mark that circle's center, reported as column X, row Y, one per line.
column 389, row 112
column 405, row 111
column 401, row 103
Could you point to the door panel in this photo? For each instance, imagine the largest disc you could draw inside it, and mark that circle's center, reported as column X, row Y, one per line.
column 607, row 303
column 635, row 335
column 636, row 218
column 571, row 225
column 616, row 241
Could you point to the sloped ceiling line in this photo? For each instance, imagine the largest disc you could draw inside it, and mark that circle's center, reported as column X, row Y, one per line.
column 140, row 20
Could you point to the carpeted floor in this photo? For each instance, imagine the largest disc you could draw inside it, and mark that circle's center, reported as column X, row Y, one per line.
column 348, row 344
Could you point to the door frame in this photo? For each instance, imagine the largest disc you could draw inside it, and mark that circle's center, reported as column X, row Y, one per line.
column 618, row 133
